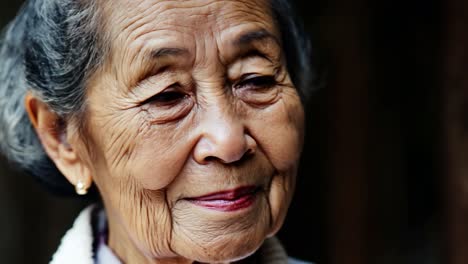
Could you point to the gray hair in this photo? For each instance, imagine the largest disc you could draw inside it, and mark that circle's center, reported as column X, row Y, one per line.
column 52, row 47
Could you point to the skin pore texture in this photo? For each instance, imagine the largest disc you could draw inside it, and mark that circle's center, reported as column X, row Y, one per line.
column 193, row 99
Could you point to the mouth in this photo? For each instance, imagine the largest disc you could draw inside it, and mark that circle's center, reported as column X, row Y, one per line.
column 228, row 200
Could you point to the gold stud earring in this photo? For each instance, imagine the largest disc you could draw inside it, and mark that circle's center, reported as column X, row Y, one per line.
column 80, row 188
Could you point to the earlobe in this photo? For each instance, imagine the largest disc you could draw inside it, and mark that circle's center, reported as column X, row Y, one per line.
column 52, row 134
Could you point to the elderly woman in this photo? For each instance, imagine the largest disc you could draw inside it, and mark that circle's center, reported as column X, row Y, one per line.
column 184, row 120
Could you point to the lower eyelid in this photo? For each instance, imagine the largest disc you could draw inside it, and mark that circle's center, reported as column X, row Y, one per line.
column 167, row 114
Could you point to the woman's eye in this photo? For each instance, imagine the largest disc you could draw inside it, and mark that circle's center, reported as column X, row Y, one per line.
column 165, row 98
column 257, row 82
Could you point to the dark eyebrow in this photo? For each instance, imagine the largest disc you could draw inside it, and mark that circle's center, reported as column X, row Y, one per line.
column 153, row 62
column 253, row 36
column 164, row 52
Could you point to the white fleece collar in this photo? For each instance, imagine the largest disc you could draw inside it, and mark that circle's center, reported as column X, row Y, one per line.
column 76, row 246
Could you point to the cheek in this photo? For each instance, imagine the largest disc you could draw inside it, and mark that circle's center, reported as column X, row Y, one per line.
column 279, row 131
column 111, row 136
column 282, row 143
column 162, row 152
column 128, row 147
column 137, row 211
column 131, row 183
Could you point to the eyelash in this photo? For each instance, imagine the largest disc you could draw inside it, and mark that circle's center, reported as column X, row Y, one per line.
column 166, row 98
column 171, row 97
column 257, row 82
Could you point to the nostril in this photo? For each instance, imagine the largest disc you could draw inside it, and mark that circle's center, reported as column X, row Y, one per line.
column 224, row 146
column 247, row 155
column 210, row 159
column 249, row 152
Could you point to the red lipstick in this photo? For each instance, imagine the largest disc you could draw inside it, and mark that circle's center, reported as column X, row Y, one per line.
column 229, row 200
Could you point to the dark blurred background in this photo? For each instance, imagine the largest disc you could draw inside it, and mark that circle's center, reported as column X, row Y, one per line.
column 383, row 176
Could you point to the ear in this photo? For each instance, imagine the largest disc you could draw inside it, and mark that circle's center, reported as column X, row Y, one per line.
column 53, row 137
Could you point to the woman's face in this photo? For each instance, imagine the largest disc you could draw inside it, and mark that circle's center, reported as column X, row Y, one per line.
column 194, row 129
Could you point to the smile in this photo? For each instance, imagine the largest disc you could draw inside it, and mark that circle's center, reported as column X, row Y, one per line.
column 229, row 200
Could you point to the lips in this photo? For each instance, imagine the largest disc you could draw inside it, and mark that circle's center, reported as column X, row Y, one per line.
column 228, row 200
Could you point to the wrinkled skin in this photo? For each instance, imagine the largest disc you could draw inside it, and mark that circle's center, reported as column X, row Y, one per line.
column 214, row 110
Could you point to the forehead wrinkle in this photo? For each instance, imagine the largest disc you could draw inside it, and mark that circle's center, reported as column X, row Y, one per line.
column 152, row 11
column 246, row 11
column 139, row 25
column 137, row 38
column 160, row 8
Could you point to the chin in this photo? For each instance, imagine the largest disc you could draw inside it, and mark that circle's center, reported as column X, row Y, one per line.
column 209, row 236
column 228, row 247
column 229, row 252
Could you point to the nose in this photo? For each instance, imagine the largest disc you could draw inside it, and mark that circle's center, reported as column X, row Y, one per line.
column 224, row 139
